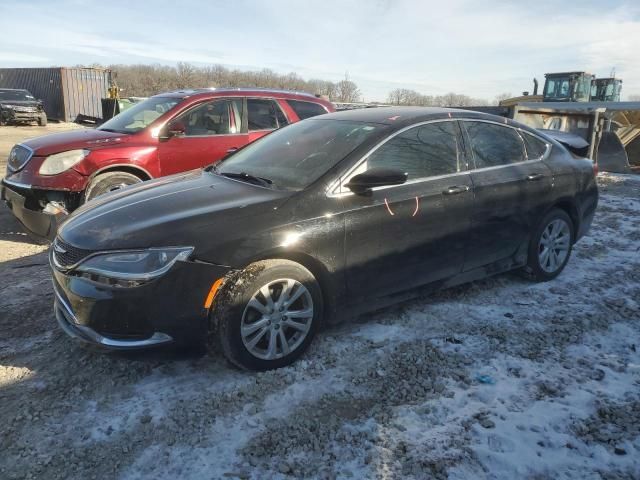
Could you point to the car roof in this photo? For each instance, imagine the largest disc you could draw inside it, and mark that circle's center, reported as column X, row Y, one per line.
column 261, row 92
column 405, row 115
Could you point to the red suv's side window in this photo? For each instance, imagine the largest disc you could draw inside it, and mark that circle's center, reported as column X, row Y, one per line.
column 265, row 115
column 218, row 117
column 306, row 109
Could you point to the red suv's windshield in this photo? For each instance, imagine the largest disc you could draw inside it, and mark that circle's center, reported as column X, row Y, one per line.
column 140, row 116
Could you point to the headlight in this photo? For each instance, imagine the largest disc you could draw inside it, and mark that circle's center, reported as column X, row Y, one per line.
column 60, row 162
column 131, row 268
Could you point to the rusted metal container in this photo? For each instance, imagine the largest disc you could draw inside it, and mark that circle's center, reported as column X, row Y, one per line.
column 68, row 94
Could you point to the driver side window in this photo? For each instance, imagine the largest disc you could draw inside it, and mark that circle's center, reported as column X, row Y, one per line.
column 429, row 150
column 218, row 117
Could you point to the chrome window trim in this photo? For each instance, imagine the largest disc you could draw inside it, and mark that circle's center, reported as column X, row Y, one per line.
column 547, row 145
column 31, row 153
column 333, row 189
column 524, row 147
column 214, row 135
column 410, row 182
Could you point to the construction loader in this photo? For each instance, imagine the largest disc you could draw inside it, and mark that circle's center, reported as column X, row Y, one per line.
column 590, row 107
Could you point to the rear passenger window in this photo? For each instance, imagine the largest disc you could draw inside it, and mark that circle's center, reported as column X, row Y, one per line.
column 425, row 151
column 494, row 145
column 264, row 115
column 535, row 147
column 306, row 109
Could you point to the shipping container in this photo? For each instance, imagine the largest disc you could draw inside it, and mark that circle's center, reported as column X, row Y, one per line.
column 68, row 94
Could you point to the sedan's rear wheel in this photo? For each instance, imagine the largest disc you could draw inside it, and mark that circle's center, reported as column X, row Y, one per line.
column 269, row 315
column 550, row 246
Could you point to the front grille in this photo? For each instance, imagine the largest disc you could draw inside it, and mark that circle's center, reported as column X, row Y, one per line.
column 18, row 157
column 25, row 109
column 66, row 255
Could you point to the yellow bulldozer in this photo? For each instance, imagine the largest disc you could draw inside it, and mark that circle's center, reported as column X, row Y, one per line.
column 581, row 104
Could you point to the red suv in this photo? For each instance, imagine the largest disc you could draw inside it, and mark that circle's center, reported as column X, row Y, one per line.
column 49, row 176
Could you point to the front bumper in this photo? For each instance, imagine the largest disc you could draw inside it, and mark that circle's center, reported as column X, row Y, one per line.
column 71, row 326
column 169, row 309
column 24, row 205
column 16, row 116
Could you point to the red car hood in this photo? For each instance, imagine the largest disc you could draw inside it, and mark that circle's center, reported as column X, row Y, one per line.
column 74, row 139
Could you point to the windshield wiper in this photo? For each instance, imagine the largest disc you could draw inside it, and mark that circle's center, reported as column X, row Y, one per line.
column 111, row 130
column 265, row 182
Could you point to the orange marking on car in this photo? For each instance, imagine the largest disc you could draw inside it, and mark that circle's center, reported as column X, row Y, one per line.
column 388, row 207
column 417, row 207
column 212, row 293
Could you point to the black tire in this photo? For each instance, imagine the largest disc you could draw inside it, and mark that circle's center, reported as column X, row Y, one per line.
column 231, row 304
column 534, row 268
column 108, row 182
column 42, row 121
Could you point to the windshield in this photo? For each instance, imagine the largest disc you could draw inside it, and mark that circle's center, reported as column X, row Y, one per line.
column 18, row 95
column 557, row 87
column 140, row 116
column 296, row 156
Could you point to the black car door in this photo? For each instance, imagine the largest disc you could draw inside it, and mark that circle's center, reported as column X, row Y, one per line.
column 510, row 191
column 406, row 235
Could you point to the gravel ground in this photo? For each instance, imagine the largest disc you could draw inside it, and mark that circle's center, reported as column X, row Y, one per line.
column 497, row 379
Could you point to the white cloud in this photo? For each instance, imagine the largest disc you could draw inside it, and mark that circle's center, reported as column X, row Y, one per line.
column 15, row 57
column 434, row 47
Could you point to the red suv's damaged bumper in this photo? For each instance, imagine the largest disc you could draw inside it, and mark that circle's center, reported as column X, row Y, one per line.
column 38, row 201
column 26, row 205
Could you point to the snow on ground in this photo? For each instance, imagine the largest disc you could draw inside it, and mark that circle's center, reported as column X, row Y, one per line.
column 500, row 379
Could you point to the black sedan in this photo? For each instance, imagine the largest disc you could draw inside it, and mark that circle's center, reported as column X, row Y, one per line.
column 315, row 223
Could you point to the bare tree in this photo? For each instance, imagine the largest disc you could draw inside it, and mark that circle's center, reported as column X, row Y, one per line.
column 403, row 96
column 347, row 91
column 147, row 80
column 501, row 97
column 185, row 75
column 396, row 97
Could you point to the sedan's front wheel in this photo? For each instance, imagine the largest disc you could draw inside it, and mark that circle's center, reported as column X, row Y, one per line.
column 268, row 316
column 550, row 246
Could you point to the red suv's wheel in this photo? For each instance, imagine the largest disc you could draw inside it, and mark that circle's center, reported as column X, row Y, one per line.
column 108, row 182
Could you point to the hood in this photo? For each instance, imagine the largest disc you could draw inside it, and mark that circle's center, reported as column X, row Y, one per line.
column 75, row 139
column 171, row 211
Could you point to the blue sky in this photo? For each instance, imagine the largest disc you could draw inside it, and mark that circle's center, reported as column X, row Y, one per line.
column 478, row 48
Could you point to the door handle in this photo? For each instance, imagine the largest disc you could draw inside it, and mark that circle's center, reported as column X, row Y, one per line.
column 232, row 149
column 534, row 177
column 456, row 189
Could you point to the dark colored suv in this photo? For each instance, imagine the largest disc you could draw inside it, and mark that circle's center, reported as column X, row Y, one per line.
column 19, row 106
column 47, row 177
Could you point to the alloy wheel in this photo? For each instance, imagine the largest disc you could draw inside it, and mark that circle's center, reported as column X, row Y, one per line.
column 554, row 245
column 277, row 319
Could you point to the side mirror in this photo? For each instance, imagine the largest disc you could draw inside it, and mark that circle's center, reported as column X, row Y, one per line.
column 173, row 129
column 376, row 177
